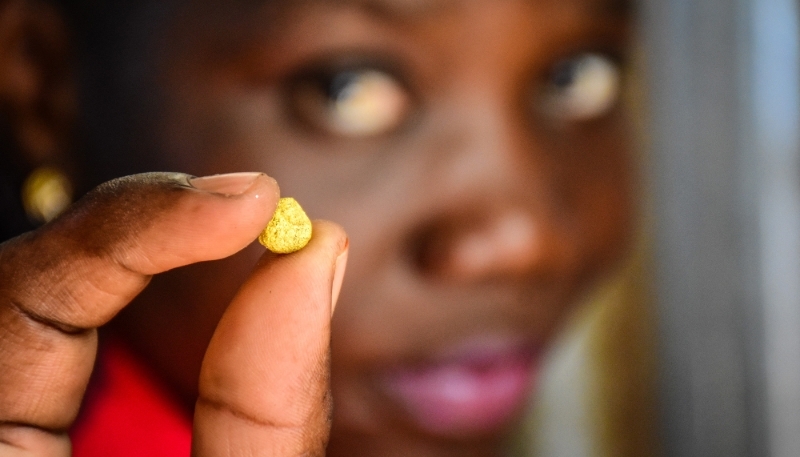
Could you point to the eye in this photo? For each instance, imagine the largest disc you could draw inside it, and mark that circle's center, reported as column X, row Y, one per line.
column 356, row 102
column 581, row 88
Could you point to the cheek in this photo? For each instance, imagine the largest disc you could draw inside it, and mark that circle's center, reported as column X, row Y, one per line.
column 219, row 131
column 603, row 188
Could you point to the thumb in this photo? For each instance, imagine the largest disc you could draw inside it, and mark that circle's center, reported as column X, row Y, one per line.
column 264, row 383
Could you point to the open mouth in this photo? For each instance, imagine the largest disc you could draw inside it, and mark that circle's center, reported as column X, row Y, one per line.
column 477, row 388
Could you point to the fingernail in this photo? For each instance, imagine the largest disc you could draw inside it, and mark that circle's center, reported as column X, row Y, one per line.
column 228, row 184
column 338, row 275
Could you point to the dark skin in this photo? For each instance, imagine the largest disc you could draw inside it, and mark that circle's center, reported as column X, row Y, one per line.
column 473, row 213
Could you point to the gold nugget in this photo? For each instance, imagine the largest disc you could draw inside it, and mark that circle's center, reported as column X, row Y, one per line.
column 289, row 230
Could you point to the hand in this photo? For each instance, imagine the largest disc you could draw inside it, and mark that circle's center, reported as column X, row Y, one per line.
column 264, row 381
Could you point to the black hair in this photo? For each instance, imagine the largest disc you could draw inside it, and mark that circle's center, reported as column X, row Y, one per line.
column 114, row 43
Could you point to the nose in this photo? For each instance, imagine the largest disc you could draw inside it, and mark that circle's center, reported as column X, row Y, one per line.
column 495, row 209
column 506, row 242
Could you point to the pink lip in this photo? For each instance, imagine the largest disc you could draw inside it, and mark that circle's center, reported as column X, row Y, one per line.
column 478, row 388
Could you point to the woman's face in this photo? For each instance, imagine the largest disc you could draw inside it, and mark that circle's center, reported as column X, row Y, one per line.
column 473, row 150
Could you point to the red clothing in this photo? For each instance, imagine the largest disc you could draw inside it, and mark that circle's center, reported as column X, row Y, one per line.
column 127, row 413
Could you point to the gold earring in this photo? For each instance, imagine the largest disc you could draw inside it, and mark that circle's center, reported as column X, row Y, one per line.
column 46, row 192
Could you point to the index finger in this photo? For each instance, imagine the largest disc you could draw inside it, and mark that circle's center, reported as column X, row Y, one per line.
column 59, row 283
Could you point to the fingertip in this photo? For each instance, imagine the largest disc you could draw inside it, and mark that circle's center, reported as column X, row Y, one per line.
column 334, row 238
column 338, row 275
column 330, row 235
column 262, row 186
column 226, row 185
column 268, row 359
column 209, row 218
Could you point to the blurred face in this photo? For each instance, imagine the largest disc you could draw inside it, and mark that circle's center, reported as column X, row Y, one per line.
column 473, row 151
